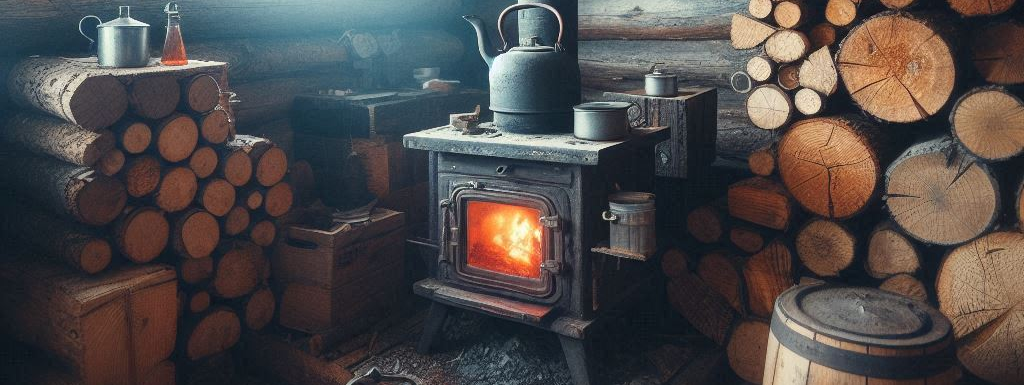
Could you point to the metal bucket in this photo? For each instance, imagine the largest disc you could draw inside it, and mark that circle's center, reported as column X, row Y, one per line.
column 631, row 217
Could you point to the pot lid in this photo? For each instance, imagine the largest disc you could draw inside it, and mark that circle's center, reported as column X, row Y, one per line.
column 124, row 20
column 602, row 106
column 533, row 45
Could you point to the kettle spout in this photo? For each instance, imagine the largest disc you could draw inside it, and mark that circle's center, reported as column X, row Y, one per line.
column 486, row 51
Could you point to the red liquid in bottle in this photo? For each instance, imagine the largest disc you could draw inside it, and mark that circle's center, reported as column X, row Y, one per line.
column 174, row 48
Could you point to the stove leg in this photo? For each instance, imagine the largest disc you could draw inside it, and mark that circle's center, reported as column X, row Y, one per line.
column 432, row 327
column 575, row 351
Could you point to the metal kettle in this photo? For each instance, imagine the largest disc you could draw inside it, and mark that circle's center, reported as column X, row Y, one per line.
column 122, row 42
column 533, row 87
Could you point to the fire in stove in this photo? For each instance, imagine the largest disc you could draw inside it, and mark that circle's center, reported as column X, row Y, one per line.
column 505, row 239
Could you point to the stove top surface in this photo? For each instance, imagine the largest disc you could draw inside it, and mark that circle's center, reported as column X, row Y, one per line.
column 557, row 147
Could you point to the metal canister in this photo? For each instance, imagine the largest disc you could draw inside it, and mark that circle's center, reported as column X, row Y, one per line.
column 631, row 217
column 660, row 83
column 122, row 42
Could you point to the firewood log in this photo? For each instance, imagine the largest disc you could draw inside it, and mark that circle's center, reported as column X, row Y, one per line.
column 195, row 271
column 237, row 269
column 195, row 233
column 723, row 272
column 107, row 329
column 257, row 309
column 708, row 223
column 175, row 137
column 277, row 200
column 819, row 72
column 207, row 334
column 822, row 35
column 940, row 197
column 978, row 287
column 747, row 347
column 767, row 274
column 749, row 239
column 841, row 13
column 890, row 253
column 176, row 190
column 194, row 301
column 761, row 201
column 762, row 161
column 252, row 198
column 971, row 8
column 789, row 77
column 263, row 233
column 68, row 90
column 792, row 14
column 809, row 102
column 215, row 127
column 51, row 136
column 132, row 136
column 73, row 244
column 216, row 196
column 701, row 306
column 141, row 175
column 141, row 233
column 269, row 163
column 900, row 4
column 905, row 285
column 826, row 248
column 760, row 9
column 153, row 97
column 234, row 166
column 79, row 192
column 910, row 48
column 989, row 123
column 787, row 46
column 111, row 163
column 843, row 183
column 748, row 33
column 199, row 94
column 674, row 263
column 997, row 51
column 761, row 68
column 236, row 221
column 769, row 107
column 203, row 161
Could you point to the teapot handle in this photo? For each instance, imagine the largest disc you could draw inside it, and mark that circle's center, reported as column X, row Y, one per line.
column 91, row 41
column 516, row 7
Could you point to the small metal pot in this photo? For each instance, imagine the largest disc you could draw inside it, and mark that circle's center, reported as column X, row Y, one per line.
column 658, row 83
column 122, row 42
column 602, row 120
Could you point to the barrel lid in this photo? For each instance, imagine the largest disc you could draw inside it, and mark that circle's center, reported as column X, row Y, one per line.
column 864, row 316
column 602, row 106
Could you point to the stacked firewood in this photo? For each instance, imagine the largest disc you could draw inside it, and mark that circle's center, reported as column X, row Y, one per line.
column 111, row 168
column 868, row 183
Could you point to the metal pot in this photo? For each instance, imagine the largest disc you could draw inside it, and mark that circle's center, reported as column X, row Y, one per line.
column 122, row 42
column 658, row 83
column 631, row 217
column 602, row 120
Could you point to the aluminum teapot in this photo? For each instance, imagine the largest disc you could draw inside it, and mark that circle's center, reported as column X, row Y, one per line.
column 122, row 42
column 533, row 87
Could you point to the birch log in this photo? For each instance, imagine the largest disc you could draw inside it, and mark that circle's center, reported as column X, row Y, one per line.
column 68, row 90
column 54, row 137
column 79, row 192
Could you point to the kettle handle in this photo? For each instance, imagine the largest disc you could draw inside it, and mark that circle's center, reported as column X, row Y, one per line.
column 516, row 7
column 91, row 41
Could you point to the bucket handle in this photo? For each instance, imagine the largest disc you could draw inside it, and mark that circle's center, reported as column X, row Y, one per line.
column 608, row 216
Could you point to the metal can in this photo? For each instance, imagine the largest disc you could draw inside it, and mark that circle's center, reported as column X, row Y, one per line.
column 660, row 83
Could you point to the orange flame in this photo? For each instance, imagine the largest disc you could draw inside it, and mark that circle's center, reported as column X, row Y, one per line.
column 504, row 238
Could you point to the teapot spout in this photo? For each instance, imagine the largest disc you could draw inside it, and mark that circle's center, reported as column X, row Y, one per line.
column 486, row 51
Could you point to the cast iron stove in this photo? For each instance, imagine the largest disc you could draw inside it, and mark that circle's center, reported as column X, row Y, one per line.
column 514, row 218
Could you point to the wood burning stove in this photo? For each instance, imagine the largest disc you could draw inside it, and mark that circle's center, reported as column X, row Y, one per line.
column 514, row 219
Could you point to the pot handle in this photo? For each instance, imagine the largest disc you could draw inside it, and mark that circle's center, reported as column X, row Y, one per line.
column 516, row 7
column 92, row 42
column 608, row 216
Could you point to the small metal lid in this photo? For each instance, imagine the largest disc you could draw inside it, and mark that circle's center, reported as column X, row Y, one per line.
column 124, row 20
column 864, row 316
column 658, row 72
column 602, row 106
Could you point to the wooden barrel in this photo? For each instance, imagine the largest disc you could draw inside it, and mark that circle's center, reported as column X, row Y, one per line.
column 632, row 222
column 826, row 334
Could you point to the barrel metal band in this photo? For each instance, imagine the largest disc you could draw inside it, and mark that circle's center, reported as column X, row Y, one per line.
column 887, row 367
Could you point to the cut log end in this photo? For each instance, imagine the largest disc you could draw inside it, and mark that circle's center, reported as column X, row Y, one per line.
column 134, row 137
column 825, row 247
column 216, row 332
column 263, row 233
column 195, row 234
column 760, row 68
column 271, row 167
column 142, row 175
column 101, row 200
column 746, row 239
column 236, row 168
column 99, row 102
column 841, row 13
column 236, row 221
column 761, row 201
column 176, row 138
column 769, row 107
column 973, row 8
column 819, row 72
column 747, row 348
column 95, row 256
column 787, row 46
column 215, row 127
column 194, row 271
column 890, row 253
column 760, row 9
column 278, row 200
column 897, row 68
column 748, row 33
column 203, row 162
column 177, row 189
column 998, row 52
column 154, row 97
column 822, row 35
column 141, row 234
column 706, row 224
column 989, row 122
column 789, row 77
column 200, row 93
column 809, row 102
column 907, row 286
column 217, row 196
column 237, row 271
column 790, row 14
column 254, row 199
column 898, row 4
column 198, row 302
column 674, row 264
column 259, row 309
column 762, row 161
column 111, row 163
column 723, row 273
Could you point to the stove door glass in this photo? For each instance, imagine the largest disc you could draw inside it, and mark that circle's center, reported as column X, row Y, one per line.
column 505, row 239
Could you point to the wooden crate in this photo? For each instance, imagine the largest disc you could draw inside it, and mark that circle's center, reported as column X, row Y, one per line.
column 330, row 279
column 389, row 166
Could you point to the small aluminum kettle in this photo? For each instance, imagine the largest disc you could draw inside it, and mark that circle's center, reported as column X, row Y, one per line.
column 122, row 42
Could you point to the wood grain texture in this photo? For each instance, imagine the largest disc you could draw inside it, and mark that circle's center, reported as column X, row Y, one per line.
column 51, row 136
column 768, row 273
column 78, row 192
column 826, row 248
column 989, row 123
column 747, row 348
column 656, row 20
column 997, row 52
column 890, row 253
column 761, row 201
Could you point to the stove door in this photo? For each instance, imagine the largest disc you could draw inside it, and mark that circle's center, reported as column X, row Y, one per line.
column 505, row 240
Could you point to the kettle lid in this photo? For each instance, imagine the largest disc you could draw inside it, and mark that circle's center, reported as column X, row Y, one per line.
column 533, row 45
column 123, row 20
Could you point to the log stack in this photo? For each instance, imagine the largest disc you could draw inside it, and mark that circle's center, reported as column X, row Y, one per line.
column 152, row 182
column 875, row 187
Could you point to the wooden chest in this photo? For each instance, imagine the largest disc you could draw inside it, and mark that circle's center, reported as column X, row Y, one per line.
column 341, row 278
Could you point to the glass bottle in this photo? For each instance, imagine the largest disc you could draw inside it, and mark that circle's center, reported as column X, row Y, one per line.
column 174, row 47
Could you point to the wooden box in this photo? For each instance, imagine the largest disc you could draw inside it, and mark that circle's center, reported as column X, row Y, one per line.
column 332, row 279
column 389, row 166
column 404, row 112
column 692, row 117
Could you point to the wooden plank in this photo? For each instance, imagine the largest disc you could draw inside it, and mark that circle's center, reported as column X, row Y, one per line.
column 656, row 20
